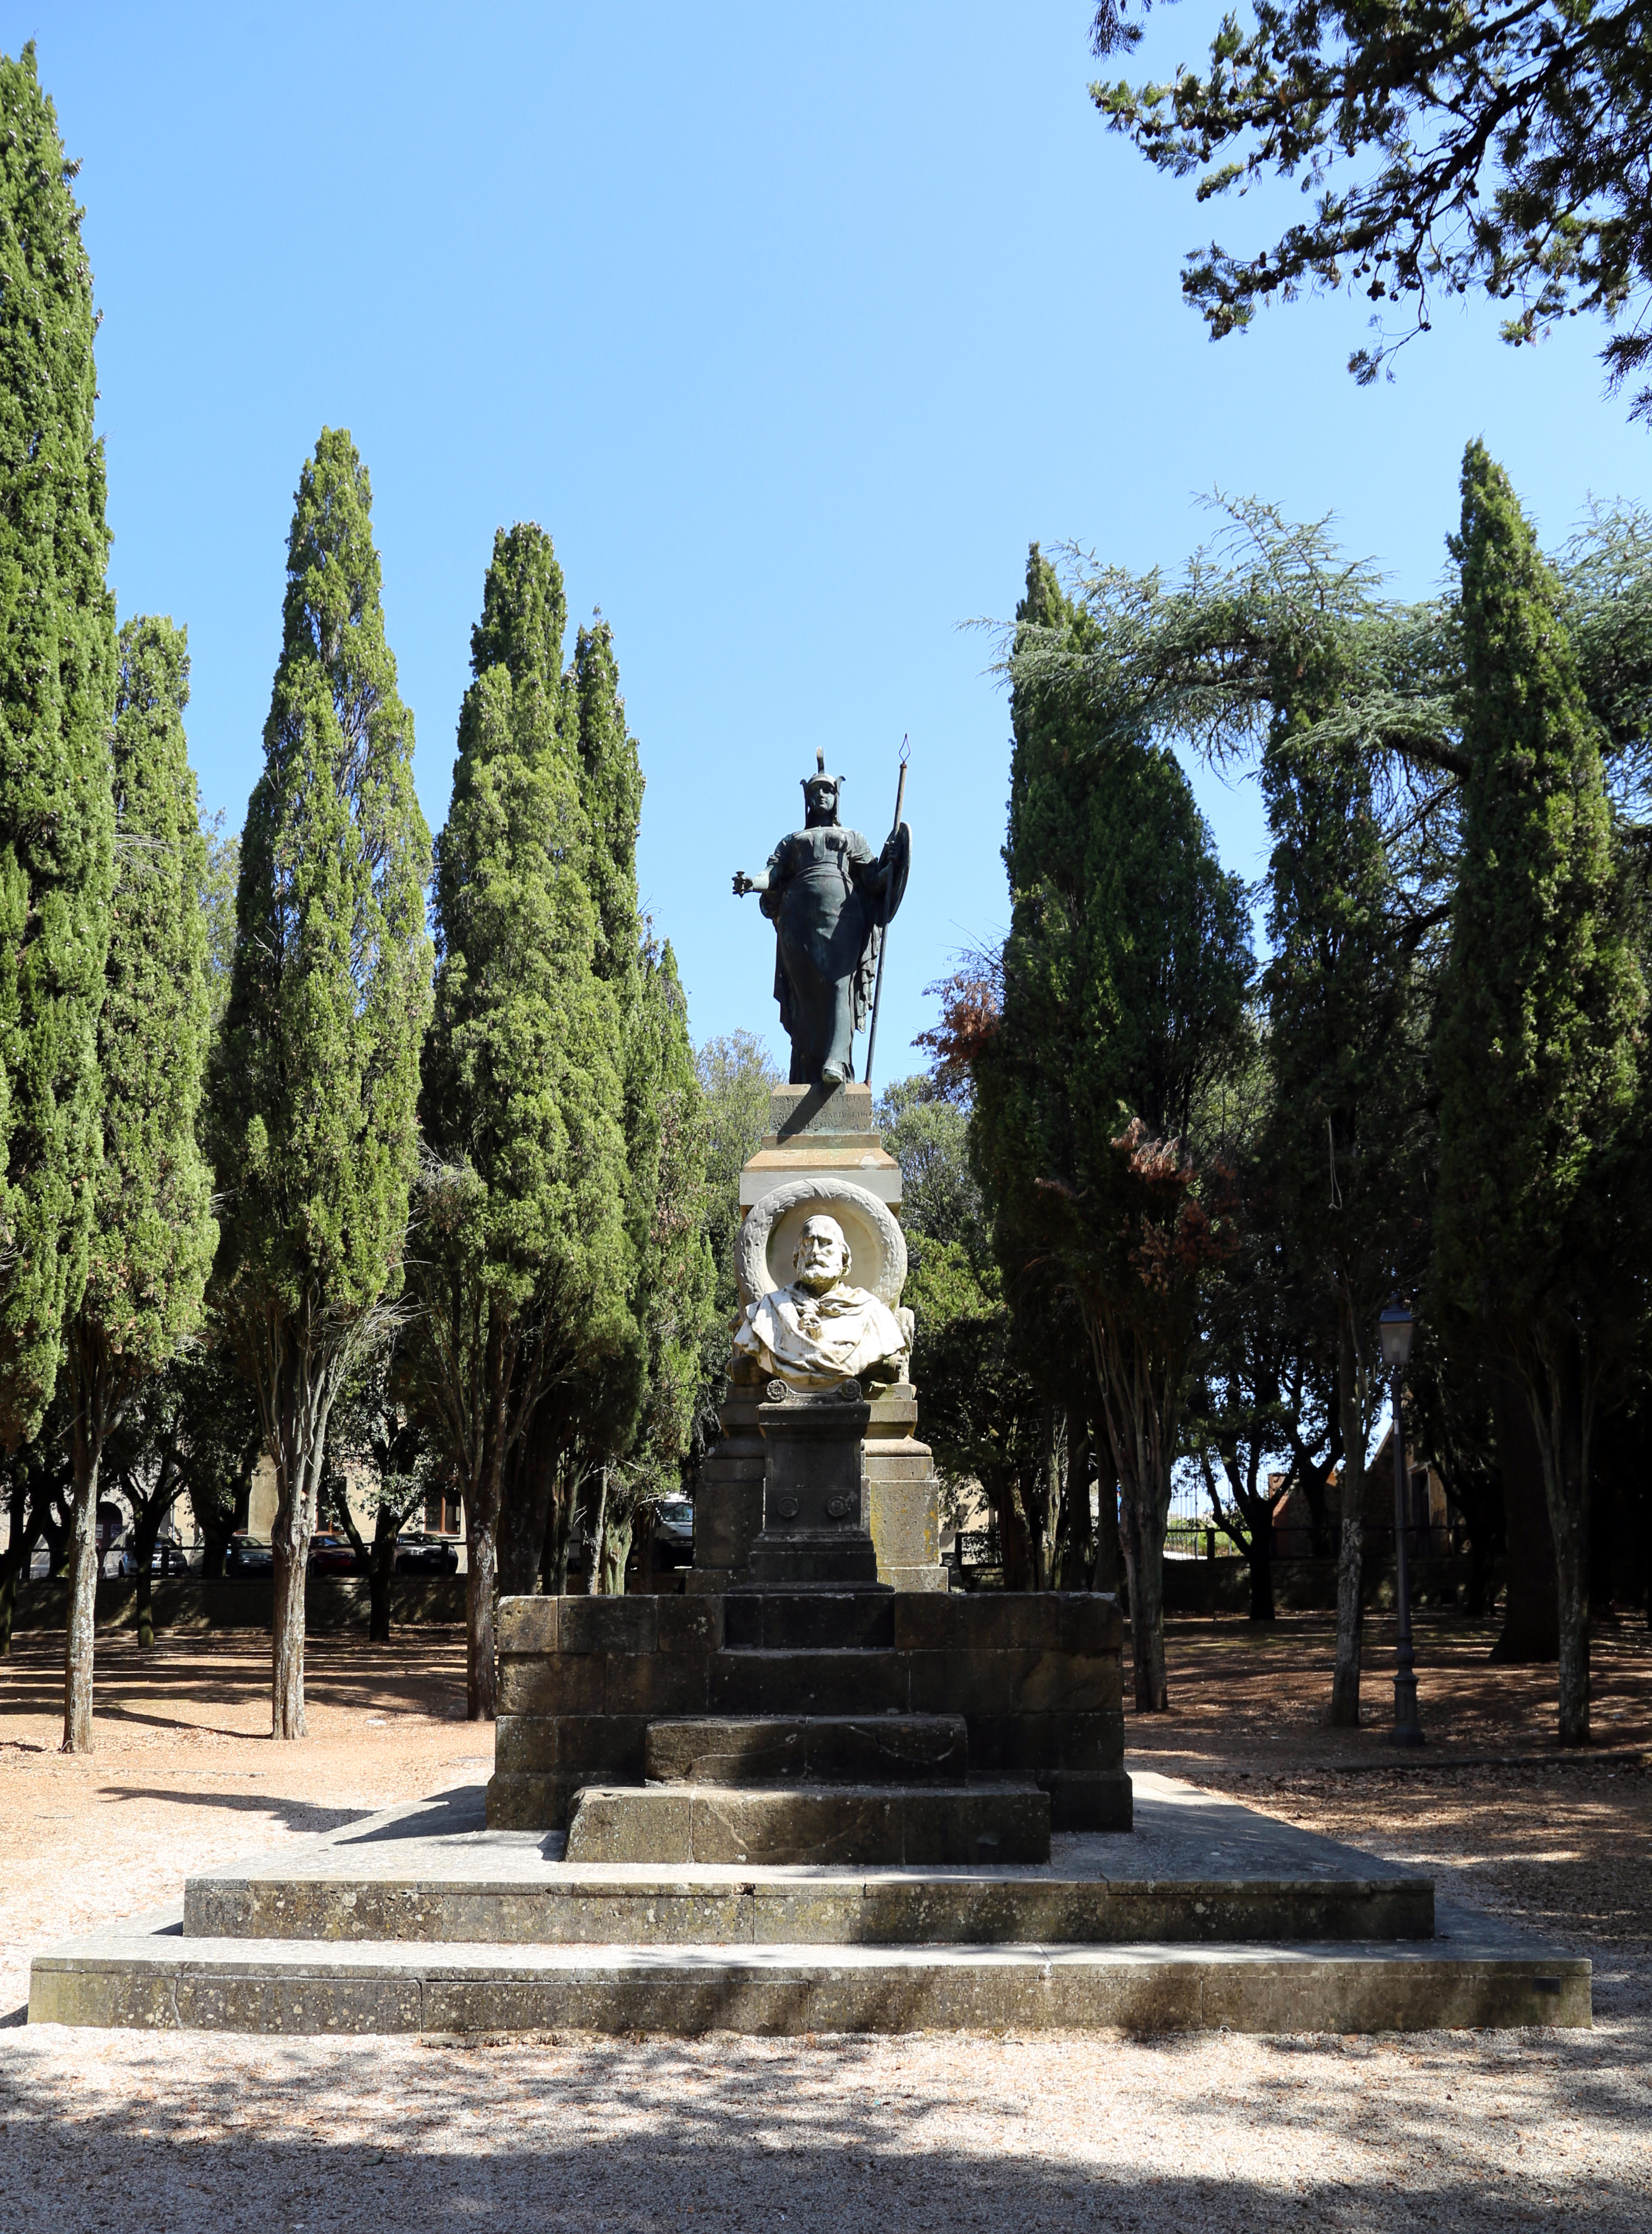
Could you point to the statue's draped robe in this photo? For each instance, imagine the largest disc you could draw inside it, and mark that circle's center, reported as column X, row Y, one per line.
column 815, row 1340
column 822, row 898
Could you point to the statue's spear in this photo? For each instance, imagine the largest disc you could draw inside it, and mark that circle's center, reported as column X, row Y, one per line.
column 883, row 944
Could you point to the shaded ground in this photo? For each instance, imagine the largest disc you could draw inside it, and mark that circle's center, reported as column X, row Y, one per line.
column 1052, row 2132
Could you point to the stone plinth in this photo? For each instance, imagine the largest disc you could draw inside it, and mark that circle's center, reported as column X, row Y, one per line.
column 1036, row 1678
column 903, row 1497
column 814, row 1490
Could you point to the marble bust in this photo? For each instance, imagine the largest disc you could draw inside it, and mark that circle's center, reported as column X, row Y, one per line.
column 821, row 1331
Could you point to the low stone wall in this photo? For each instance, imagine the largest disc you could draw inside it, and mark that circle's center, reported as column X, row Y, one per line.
column 1213, row 1586
column 190, row 1604
column 1035, row 1676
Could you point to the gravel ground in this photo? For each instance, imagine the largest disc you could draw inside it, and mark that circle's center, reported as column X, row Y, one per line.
column 192, row 2133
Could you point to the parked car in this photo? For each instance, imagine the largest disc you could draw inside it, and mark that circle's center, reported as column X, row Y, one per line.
column 166, row 1558
column 334, row 1555
column 426, row 1555
column 248, row 1556
column 673, row 1533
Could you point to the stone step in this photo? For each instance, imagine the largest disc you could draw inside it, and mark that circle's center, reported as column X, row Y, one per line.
column 808, row 1621
column 808, row 1750
column 143, row 1972
column 879, row 1824
column 510, row 1892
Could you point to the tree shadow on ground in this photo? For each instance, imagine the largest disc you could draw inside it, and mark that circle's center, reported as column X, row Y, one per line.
column 650, row 2134
column 307, row 1814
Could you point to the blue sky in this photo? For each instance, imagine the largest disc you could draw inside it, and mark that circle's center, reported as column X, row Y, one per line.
column 793, row 327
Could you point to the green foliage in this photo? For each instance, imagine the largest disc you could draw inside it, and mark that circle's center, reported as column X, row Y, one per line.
column 526, row 1264
column 57, row 670
column 220, row 877
column 1123, row 979
column 1118, row 1005
column 1505, row 150
column 522, row 1092
column 153, row 1233
column 735, row 1078
column 610, row 791
column 673, row 1297
column 1535, row 1049
column 314, row 1130
column 1540, row 1225
column 315, row 1073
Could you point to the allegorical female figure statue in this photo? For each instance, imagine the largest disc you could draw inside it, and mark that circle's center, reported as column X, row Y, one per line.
column 829, row 897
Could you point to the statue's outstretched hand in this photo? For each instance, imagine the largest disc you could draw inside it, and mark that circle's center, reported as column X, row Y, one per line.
column 742, row 883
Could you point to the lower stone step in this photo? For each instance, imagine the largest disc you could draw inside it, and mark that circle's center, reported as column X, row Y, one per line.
column 872, row 1824
column 144, row 1973
column 808, row 1750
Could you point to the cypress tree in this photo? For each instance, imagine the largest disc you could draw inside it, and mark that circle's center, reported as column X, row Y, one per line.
column 526, row 1263
column 1344, row 1137
column 610, row 791
column 57, row 666
column 153, row 1233
column 1537, row 1232
column 316, row 1082
column 1123, row 980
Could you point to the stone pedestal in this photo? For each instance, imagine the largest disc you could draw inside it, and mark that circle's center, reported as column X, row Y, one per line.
column 814, row 1490
column 823, row 1137
column 903, row 1497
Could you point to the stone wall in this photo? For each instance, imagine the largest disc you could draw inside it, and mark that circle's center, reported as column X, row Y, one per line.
column 1036, row 1677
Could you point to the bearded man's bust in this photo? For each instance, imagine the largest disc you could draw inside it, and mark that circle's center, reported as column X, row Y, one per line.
column 820, row 1331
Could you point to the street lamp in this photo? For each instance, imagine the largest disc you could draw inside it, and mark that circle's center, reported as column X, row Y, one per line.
column 1394, row 1331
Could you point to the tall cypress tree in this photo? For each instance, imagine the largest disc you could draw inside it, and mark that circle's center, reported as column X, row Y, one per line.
column 524, row 1263
column 1539, row 1228
column 1346, row 1129
column 1124, row 979
column 153, row 1233
column 57, row 666
column 317, row 1076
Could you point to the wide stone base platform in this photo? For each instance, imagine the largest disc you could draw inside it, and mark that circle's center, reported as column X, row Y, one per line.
column 422, row 1920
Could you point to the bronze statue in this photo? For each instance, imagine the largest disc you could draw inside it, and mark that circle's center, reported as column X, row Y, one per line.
column 830, row 899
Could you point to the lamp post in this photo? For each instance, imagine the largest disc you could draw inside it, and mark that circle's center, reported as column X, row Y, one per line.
column 1394, row 1331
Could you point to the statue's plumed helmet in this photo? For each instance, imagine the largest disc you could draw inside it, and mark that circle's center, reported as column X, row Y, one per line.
column 821, row 780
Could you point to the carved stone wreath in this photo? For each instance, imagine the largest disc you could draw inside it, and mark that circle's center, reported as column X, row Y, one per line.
column 863, row 1217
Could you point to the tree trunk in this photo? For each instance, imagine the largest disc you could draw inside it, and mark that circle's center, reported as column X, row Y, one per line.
column 301, row 1438
column 15, row 1561
column 1558, row 1411
column 1530, row 1608
column 524, row 1511
column 1260, row 1555
column 617, row 1551
column 144, row 1555
column 1350, row 1610
column 1144, row 1552
column 598, row 1541
column 86, row 1367
column 1077, row 1559
column 559, row 1536
column 381, row 1566
column 82, row 1614
column 1107, row 1572
column 482, row 1611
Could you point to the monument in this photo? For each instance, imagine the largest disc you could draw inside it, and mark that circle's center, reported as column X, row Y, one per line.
column 861, row 1769
column 816, row 1684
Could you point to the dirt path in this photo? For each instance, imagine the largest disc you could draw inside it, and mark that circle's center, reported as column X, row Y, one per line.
column 1052, row 2132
